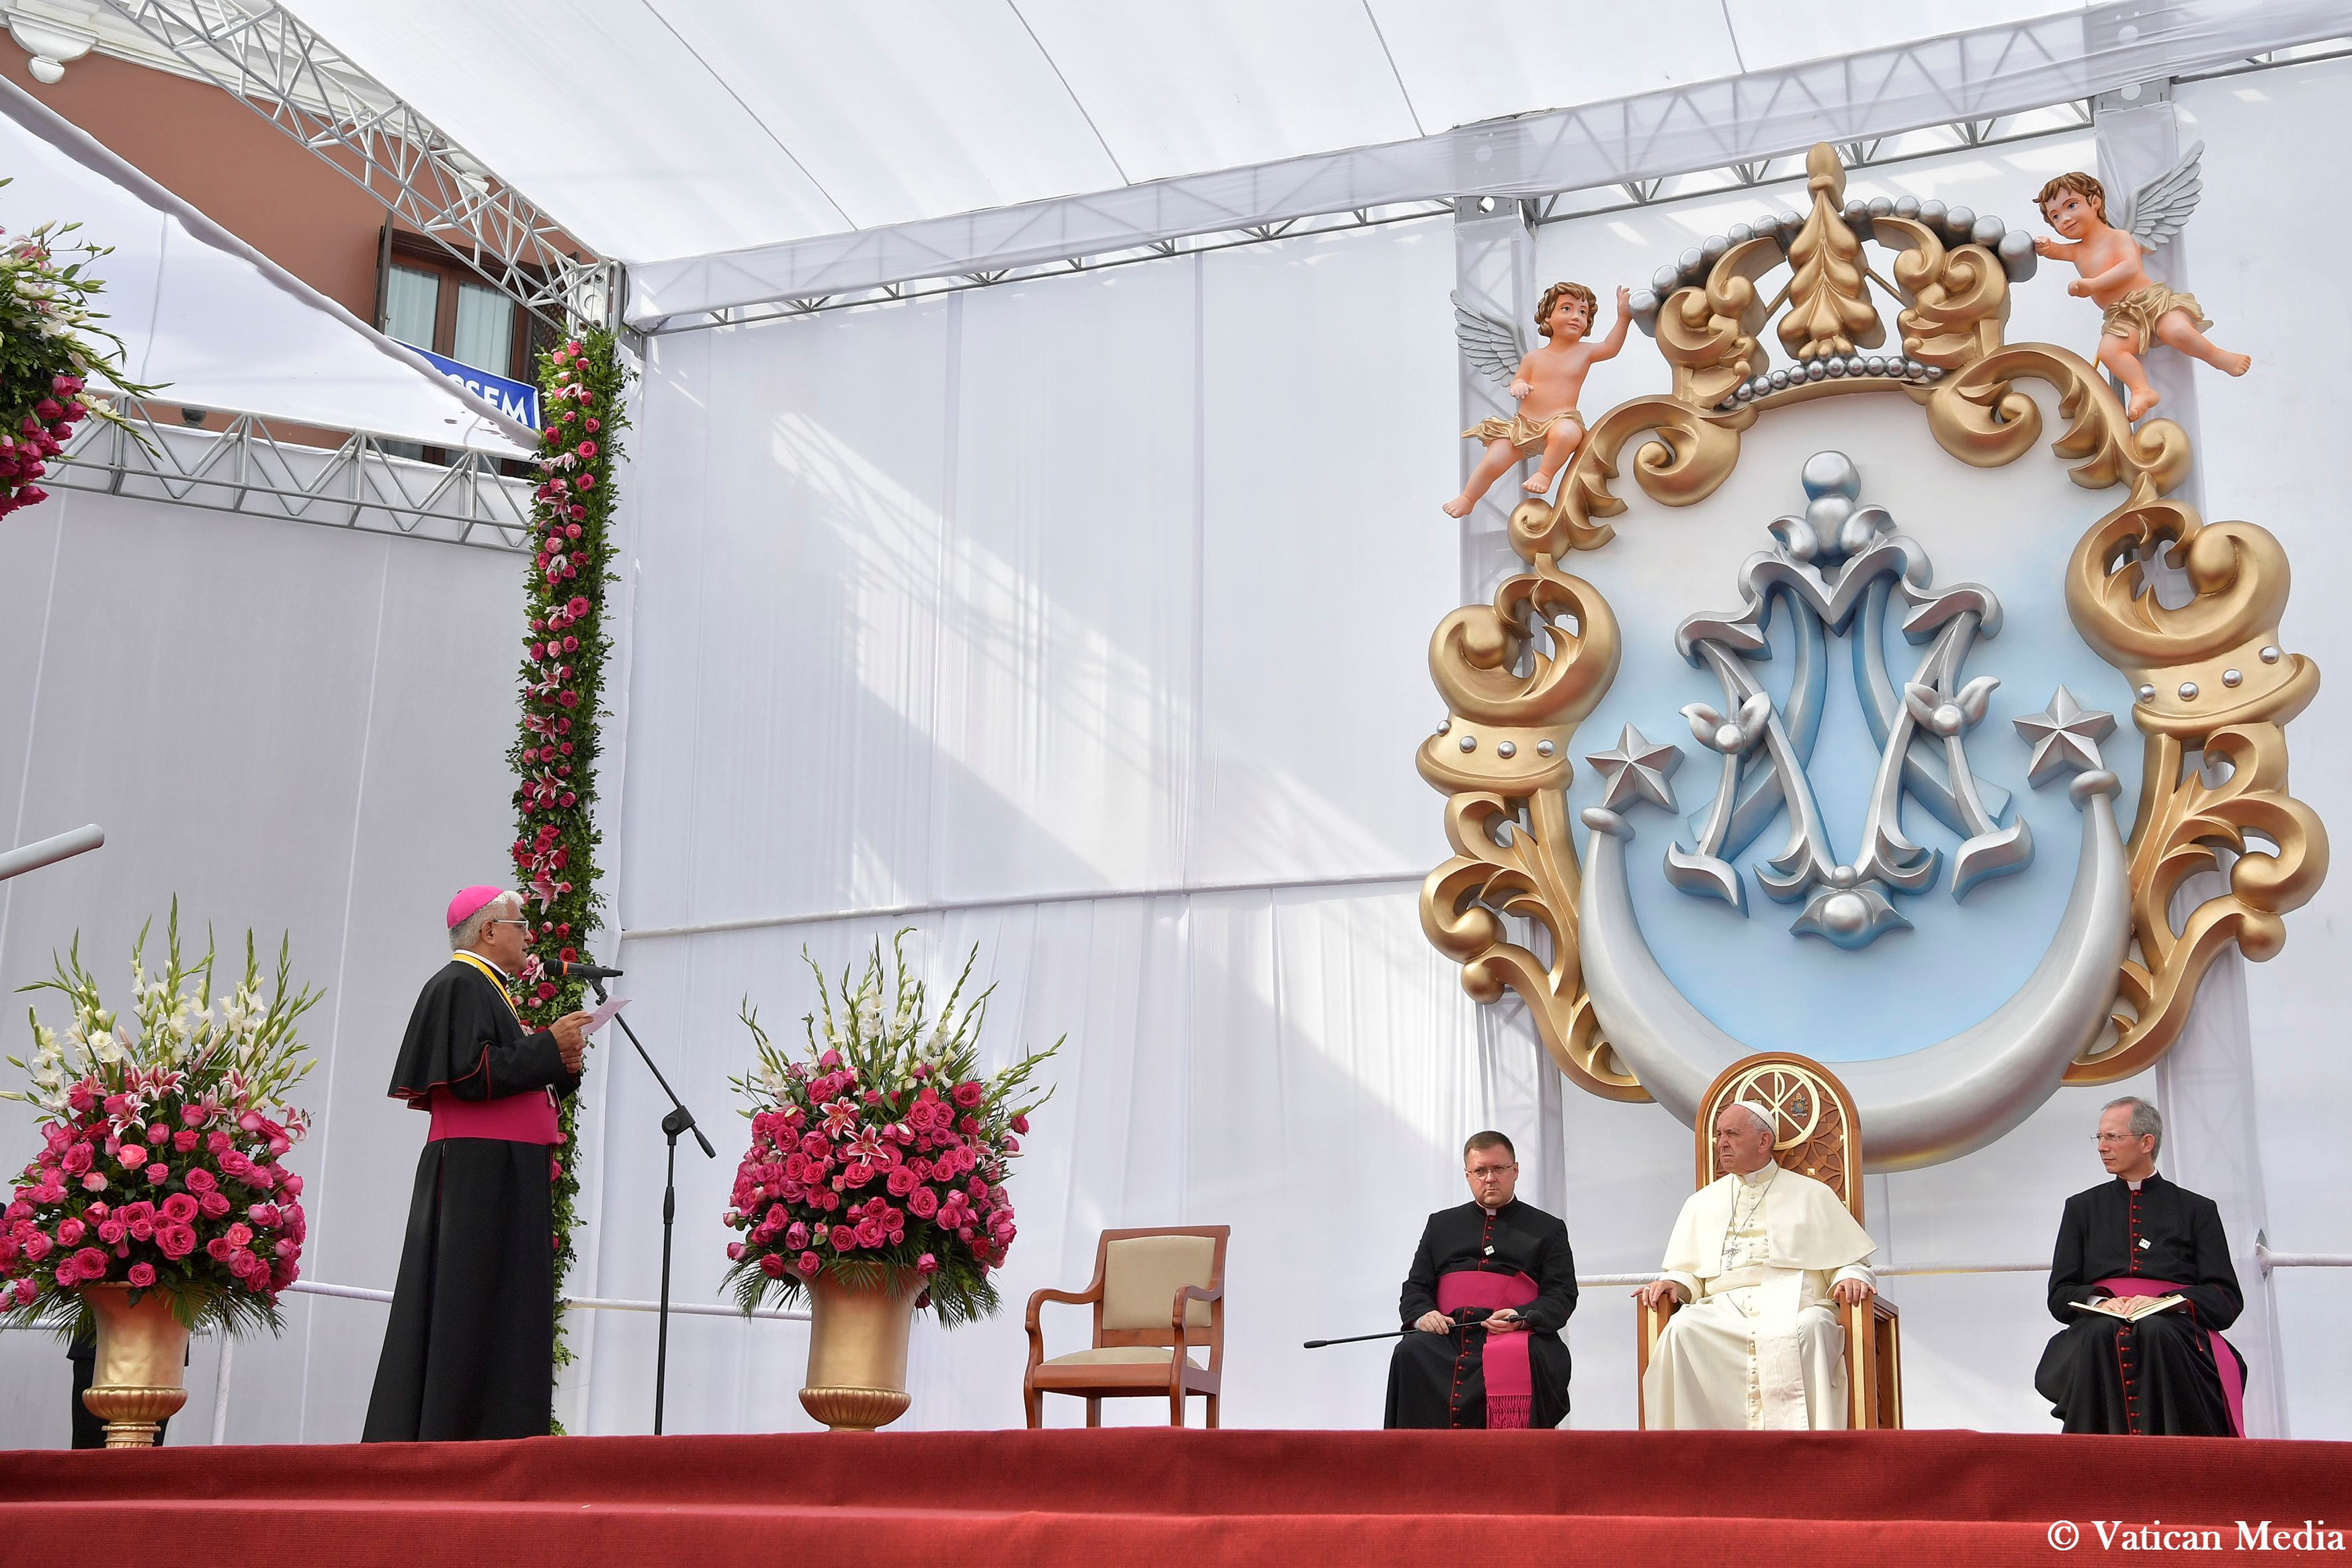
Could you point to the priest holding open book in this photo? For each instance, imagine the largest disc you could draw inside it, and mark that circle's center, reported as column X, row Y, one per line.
column 2142, row 1281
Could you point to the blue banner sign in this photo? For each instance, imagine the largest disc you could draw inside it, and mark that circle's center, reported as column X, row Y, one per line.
column 516, row 399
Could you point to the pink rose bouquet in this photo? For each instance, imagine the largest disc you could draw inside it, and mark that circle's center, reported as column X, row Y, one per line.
column 883, row 1146
column 163, row 1138
column 51, row 348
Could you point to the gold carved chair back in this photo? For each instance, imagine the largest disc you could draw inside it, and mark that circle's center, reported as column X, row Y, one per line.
column 1815, row 1131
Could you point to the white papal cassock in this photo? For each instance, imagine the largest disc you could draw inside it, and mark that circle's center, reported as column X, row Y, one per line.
column 1760, row 1344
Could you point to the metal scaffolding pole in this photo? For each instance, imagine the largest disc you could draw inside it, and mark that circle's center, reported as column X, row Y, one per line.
column 286, row 73
column 362, row 484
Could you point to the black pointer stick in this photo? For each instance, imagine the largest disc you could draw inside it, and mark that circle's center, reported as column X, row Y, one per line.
column 1462, row 1319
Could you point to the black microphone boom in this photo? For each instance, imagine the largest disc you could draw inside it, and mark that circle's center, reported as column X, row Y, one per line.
column 567, row 971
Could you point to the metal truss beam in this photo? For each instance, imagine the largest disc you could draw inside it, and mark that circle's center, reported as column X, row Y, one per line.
column 286, row 73
column 246, row 469
column 2005, row 69
column 923, row 287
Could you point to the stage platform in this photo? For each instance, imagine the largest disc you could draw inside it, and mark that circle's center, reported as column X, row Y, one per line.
column 1119, row 1497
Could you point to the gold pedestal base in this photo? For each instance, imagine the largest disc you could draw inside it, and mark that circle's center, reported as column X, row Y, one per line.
column 139, row 1379
column 855, row 1409
column 857, row 1352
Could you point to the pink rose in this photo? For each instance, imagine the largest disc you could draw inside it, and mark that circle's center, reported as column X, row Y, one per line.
column 843, row 1238
column 214, row 1204
column 158, row 1133
column 77, row 1159
column 142, row 1275
column 927, row 1264
column 901, row 1181
column 923, row 1202
column 869, row 1233
column 796, row 1236
column 240, row 1234
column 93, row 1182
column 25, row 1292
column 36, row 1246
column 218, row 1249
column 200, row 1180
column 69, row 1233
column 184, row 1139
column 180, row 1208
column 156, row 1173
column 89, row 1263
column 772, row 1266
column 734, row 1251
column 111, row 1232
column 970, row 1095
column 1021, row 1123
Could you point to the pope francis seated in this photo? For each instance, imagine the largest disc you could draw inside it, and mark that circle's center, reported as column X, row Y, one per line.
column 1759, row 1255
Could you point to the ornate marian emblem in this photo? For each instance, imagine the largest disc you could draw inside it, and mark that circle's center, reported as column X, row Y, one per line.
column 2210, row 677
column 1840, row 571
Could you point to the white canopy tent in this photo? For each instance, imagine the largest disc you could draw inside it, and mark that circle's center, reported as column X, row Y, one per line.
column 735, row 154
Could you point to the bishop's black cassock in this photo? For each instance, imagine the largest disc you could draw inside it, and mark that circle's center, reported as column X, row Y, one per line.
column 2169, row 1372
column 1517, row 1256
column 469, row 1350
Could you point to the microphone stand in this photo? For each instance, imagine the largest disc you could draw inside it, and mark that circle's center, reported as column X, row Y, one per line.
column 677, row 1120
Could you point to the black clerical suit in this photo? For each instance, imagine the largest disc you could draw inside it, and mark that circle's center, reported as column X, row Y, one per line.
column 469, row 1349
column 1438, row 1379
column 2158, row 1373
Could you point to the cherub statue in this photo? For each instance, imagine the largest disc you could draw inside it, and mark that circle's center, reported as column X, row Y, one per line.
column 1547, row 380
column 2138, row 309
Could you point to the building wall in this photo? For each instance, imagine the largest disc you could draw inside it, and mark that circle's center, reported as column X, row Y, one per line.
column 212, row 149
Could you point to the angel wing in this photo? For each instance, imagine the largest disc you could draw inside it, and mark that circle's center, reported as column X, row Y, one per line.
column 2162, row 208
column 1490, row 345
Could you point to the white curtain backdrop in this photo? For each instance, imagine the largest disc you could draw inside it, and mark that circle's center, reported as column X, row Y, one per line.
column 293, row 729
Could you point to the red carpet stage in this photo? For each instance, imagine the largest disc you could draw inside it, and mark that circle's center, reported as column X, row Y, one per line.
column 1152, row 1496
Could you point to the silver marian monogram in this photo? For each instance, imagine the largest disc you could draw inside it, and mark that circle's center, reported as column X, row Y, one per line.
column 1841, row 569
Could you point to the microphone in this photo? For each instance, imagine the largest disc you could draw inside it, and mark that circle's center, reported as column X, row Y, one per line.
column 564, row 971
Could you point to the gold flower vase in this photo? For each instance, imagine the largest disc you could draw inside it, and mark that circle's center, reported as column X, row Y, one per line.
column 141, row 1378
column 858, row 1350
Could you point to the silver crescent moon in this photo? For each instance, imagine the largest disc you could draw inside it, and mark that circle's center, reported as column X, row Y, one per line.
column 1921, row 1108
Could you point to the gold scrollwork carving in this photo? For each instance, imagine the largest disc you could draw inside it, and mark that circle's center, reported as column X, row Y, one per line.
column 1502, row 760
column 2213, row 682
column 1830, row 312
column 1959, row 295
column 2216, row 688
column 1693, row 452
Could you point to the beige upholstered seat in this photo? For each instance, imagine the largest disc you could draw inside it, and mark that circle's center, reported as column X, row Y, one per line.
column 1817, row 1134
column 1159, row 1298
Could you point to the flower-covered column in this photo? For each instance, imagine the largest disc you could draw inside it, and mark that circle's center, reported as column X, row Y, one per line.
column 554, row 756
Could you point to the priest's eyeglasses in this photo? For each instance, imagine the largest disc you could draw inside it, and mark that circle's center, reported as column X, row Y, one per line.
column 1489, row 1173
column 524, row 923
column 2105, row 1138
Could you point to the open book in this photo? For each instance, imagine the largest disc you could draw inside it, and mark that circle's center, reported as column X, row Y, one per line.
column 2129, row 1307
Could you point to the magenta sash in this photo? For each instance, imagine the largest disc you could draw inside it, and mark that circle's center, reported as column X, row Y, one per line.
column 1510, row 1384
column 510, row 1118
column 2225, row 1360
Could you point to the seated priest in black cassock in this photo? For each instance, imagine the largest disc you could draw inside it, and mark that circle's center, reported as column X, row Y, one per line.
column 2138, row 1236
column 469, row 1350
column 1491, row 1288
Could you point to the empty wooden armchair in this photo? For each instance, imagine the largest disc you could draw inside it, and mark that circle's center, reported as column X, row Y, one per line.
column 1159, row 1298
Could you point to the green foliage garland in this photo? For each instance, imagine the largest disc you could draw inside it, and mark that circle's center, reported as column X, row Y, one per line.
column 582, row 384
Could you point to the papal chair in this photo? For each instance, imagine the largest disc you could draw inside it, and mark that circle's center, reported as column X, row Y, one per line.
column 1816, row 1133
column 1159, row 1298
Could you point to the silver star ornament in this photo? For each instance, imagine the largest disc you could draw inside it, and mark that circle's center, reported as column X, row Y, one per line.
column 2065, row 738
column 1637, row 769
